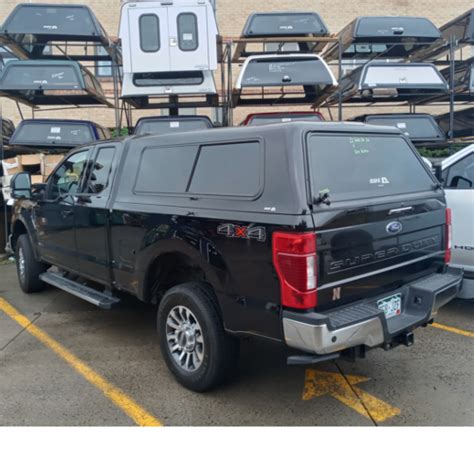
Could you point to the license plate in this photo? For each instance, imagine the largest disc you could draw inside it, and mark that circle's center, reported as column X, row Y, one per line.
column 391, row 306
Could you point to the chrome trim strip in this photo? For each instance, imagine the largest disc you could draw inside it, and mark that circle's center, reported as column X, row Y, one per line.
column 376, row 272
column 400, row 209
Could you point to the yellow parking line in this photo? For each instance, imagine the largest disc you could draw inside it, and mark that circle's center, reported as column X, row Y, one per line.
column 461, row 332
column 131, row 408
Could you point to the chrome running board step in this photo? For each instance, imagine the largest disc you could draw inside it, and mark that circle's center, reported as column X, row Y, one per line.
column 102, row 300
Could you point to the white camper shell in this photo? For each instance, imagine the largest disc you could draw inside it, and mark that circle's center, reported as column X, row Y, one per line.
column 179, row 35
column 393, row 82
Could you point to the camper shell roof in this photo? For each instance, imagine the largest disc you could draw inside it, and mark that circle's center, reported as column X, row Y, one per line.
column 57, row 134
column 48, row 82
column 383, row 36
column 419, row 128
column 30, row 27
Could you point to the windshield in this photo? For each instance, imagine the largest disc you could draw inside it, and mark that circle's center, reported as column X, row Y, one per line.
column 360, row 166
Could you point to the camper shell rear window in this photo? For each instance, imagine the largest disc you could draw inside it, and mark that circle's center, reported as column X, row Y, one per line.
column 360, row 166
column 174, row 125
column 396, row 27
column 292, row 72
column 414, row 127
column 56, row 133
column 283, row 24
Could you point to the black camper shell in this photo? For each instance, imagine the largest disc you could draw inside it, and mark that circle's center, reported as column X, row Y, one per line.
column 383, row 36
column 50, row 134
column 165, row 125
column 41, row 82
column 31, row 28
column 421, row 129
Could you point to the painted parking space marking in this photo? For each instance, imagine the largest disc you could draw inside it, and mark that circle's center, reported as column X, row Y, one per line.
column 320, row 383
column 461, row 332
column 129, row 406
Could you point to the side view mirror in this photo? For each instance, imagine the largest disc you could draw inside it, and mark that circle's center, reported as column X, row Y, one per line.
column 21, row 186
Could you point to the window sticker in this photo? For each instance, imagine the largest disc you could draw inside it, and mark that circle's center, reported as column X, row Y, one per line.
column 188, row 37
column 401, row 125
column 174, row 124
column 380, row 182
column 55, row 130
column 360, row 145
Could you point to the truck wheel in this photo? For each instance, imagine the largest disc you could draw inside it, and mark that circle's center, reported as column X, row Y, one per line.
column 192, row 338
column 27, row 267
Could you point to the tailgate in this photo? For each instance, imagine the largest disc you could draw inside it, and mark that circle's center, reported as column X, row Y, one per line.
column 379, row 251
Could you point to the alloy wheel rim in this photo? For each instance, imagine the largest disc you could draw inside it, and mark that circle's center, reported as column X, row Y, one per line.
column 184, row 338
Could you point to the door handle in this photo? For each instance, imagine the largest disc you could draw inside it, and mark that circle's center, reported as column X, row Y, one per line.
column 66, row 213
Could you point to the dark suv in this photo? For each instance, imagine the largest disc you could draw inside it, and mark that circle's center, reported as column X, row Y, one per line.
column 331, row 238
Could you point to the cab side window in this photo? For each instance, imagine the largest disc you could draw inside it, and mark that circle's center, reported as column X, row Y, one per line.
column 99, row 174
column 461, row 174
column 68, row 177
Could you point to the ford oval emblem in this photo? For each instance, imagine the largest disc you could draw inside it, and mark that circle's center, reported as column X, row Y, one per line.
column 394, row 227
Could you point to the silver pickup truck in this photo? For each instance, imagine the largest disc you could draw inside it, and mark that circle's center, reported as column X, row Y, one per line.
column 457, row 172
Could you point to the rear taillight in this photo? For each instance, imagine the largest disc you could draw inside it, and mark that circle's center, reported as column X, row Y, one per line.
column 448, row 236
column 294, row 257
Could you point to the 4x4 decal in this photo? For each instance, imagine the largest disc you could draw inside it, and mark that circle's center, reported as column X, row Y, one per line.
column 243, row 232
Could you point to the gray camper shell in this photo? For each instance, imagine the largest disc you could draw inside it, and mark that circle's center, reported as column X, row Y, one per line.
column 283, row 79
column 53, row 134
column 390, row 82
column 368, row 37
column 41, row 82
column 463, row 124
column 421, row 129
column 33, row 29
column 178, row 124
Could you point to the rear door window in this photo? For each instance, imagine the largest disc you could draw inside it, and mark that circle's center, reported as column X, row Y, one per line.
column 187, row 32
column 149, row 25
column 360, row 166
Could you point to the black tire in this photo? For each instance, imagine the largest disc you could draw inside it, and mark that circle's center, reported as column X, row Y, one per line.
column 220, row 351
column 28, row 279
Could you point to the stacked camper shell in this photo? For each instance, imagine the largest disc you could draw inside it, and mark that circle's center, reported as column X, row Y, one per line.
column 421, row 129
column 44, row 31
column 169, row 54
column 369, row 37
column 379, row 81
column 45, row 82
column 57, row 135
column 280, row 65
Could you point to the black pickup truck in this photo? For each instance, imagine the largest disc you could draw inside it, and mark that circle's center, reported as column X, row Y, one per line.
column 331, row 238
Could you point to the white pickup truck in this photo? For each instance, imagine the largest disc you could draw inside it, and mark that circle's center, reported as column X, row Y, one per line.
column 458, row 181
